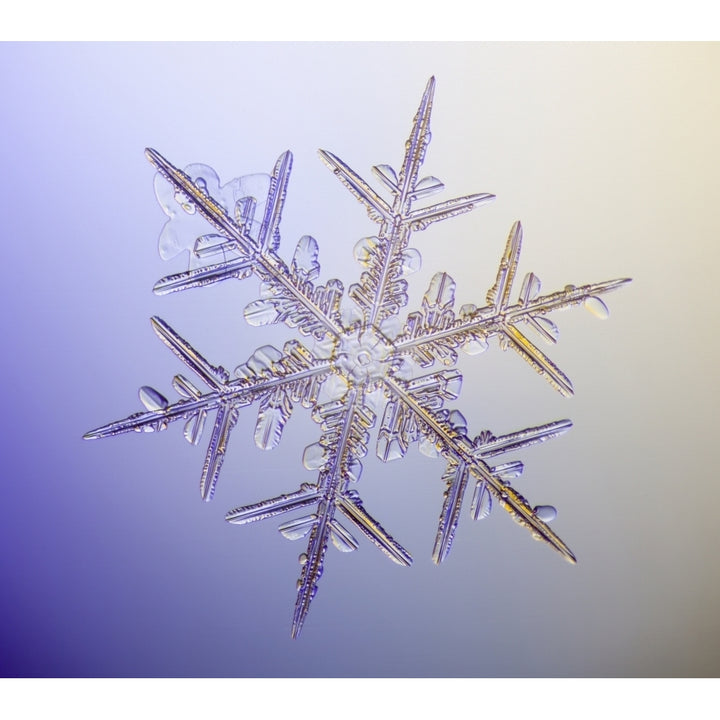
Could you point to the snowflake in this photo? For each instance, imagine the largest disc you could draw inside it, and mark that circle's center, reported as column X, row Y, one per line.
column 356, row 363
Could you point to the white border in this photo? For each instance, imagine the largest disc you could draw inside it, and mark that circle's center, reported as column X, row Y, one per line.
column 368, row 20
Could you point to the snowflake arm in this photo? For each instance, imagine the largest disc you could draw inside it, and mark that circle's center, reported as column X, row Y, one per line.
column 435, row 333
column 378, row 210
column 298, row 300
column 209, row 275
column 456, row 475
column 345, row 426
column 215, row 377
column 269, row 377
column 381, row 290
column 459, row 451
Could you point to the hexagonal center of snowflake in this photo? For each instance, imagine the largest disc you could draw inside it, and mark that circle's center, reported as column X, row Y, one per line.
column 361, row 356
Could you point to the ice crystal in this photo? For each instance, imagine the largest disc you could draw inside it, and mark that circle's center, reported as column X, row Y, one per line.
column 358, row 365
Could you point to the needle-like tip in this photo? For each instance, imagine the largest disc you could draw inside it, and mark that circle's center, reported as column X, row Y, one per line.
column 97, row 433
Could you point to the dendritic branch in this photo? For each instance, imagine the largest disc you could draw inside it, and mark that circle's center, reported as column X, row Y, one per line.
column 258, row 256
column 345, row 428
column 457, row 449
column 381, row 291
column 435, row 333
column 272, row 378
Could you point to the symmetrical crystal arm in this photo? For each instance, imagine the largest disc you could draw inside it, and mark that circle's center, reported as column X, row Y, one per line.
column 345, row 424
column 459, row 451
column 378, row 209
column 435, row 333
column 381, row 290
column 485, row 321
column 352, row 507
column 295, row 367
column 215, row 377
column 270, row 377
column 456, row 474
column 341, row 429
column 153, row 420
column 423, row 217
column 207, row 275
column 492, row 446
column 259, row 256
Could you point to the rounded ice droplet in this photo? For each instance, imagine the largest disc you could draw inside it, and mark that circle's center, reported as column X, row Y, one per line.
column 411, row 261
column 481, row 502
column 474, row 346
column 363, row 250
column 303, row 558
column 549, row 327
column 314, row 456
column 546, row 513
column 457, row 421
column 597, row 307
column 354, row 469
column 194, row 427
column 428, row 448
column 152, row 399
column 467, row 311
column 261, row 312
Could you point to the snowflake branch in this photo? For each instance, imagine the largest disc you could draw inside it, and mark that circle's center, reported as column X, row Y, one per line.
column 331, row 482
column 224, row 423
column 424, row 217
column 430, row 335
column 378, row 210
column 353, row 509
column 260, row 256
column 345, row 426
column 270, row 377
column 415, row 148
column 456, row 476
column 215, row 377
column 381, row 290
column 307, row 495
column 202, row 276
column 455, row 479
column 460, row 451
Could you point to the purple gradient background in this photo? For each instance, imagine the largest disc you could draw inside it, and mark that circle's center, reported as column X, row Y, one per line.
column 110, row 563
